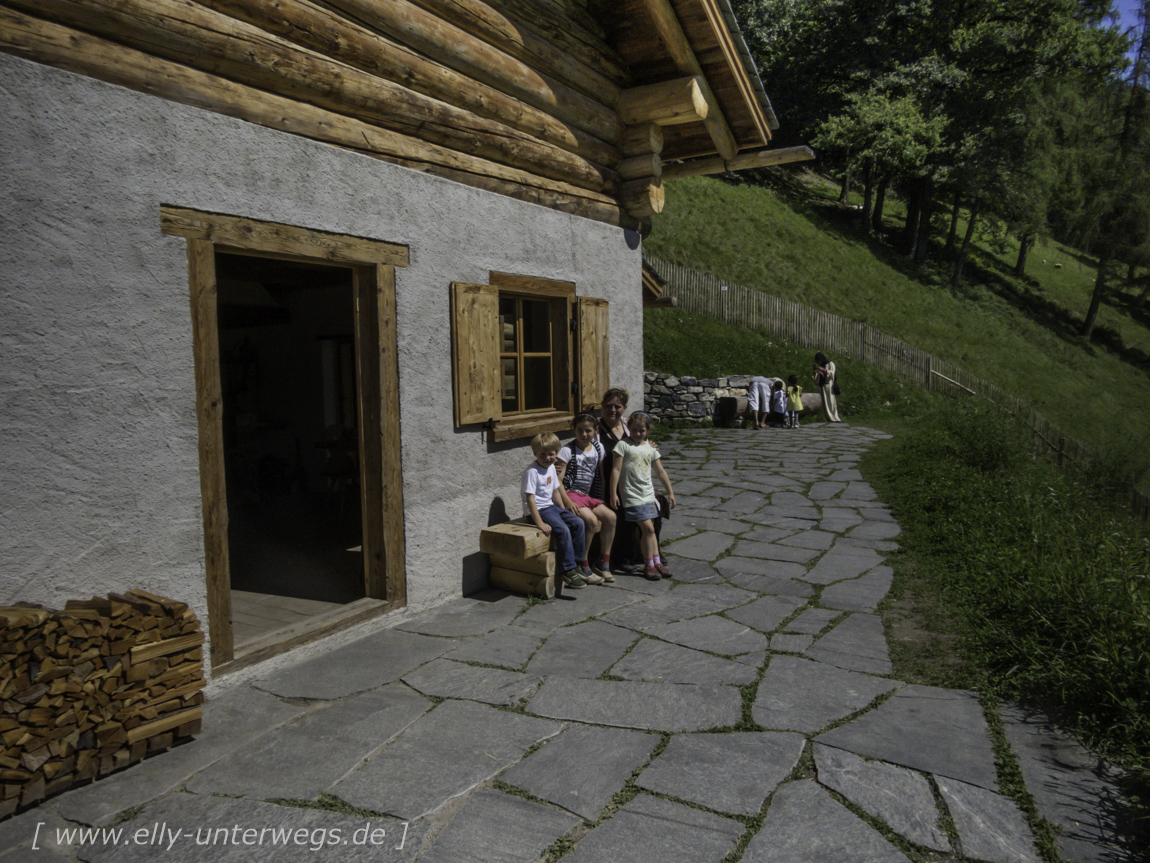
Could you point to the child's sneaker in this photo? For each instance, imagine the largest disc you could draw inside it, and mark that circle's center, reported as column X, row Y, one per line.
column 589, row 576
column 662, row 570
column 651, row 573
column 573, row 579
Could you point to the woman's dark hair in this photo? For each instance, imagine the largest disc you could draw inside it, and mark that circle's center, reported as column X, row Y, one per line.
column 821, row 358
column 616, row 393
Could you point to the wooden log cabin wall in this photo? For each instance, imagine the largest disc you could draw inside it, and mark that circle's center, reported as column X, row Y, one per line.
column 576, row 106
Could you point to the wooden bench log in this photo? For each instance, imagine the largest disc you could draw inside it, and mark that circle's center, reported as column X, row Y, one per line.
column 540, row 564
column 514, row 539
column 525, row 583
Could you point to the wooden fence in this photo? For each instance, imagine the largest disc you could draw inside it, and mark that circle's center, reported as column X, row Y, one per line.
column 749, row 307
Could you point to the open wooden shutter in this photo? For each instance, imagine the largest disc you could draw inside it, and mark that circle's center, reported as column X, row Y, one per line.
column 475, row 347
column 593, row 351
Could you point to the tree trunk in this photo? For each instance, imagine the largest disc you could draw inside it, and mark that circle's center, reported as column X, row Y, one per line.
column 956, row 275
column 879, row 203
column 845, row 194
column 948, row 252
column 1087, row 330
column 1025, row 244
column 922, row 239
column 868, row 197
column 913, row 214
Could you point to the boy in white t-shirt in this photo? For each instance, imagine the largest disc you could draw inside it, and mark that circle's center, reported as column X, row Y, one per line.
column 549, row 507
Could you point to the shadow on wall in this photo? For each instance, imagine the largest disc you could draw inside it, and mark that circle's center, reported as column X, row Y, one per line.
column 476, row 566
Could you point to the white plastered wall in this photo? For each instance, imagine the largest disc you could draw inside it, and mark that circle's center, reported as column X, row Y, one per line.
column 99, row 470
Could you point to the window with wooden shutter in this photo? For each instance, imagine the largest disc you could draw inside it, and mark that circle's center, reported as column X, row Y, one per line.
column 527, row 352
column 476, row 343
column 593, row 351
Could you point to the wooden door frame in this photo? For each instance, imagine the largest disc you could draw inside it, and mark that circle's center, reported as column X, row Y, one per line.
column 373, row 264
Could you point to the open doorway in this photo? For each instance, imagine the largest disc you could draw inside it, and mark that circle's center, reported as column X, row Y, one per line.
column 291, row 431
column 297, row 406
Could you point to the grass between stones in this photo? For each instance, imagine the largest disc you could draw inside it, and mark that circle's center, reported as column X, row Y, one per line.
column 1012, row 785
column 331, row 803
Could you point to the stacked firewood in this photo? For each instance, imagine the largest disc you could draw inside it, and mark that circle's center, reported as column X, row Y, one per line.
column 93, row 688
column 520, row 561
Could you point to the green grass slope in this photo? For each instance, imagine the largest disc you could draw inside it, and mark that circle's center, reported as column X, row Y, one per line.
column 1019, row 334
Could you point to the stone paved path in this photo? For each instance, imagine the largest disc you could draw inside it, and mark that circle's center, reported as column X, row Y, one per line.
column 743, row 710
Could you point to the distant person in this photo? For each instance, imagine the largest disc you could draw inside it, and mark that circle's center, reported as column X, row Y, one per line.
column 794, row 401
column 549, row 507
column 778, row 405
column 759, row 400
column 824, row 376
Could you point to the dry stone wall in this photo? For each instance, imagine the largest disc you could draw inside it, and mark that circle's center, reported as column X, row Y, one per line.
column 667, row 397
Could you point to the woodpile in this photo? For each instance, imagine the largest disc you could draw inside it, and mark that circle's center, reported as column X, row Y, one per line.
column 93, row 688
column 520, row 561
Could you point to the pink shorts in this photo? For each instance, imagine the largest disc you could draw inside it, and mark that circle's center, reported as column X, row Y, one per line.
column 582, row 500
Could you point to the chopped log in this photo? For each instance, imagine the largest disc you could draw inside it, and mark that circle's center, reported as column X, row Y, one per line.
column 641, row 166
column 163, row 648
column 540, row 564
column 320, row 30
column 525, row 583
column 459, row 50
column 642, row 138
column 88, row 55
column 514, row 539
column 667, row 103
column 758, row 159
column 204, row 39
column 642, row 197
column 172, row 720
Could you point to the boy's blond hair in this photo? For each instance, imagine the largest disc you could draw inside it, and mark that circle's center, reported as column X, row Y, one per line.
column 544, row 442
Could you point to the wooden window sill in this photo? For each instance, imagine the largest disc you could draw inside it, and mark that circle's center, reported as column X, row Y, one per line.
column 531, row 425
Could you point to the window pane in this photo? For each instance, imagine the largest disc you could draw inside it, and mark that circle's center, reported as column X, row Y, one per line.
column 507, row 325
column 536, row 327
column 510, row 387
column 536, row 383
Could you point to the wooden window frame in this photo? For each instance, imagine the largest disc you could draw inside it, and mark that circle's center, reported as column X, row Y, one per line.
column 478, row 371
column 373, row 264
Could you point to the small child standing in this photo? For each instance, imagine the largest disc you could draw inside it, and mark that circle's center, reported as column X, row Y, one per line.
column 634, row 461
column 778, row 405
column 580, row 469
column 794, row 401
column 548, row 505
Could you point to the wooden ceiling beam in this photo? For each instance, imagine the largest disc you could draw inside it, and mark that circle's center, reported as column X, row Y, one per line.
column 683, row 56
column 667, row 103
column 758, row 159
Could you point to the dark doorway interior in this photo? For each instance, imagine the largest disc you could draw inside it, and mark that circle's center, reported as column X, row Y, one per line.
column 287, row 367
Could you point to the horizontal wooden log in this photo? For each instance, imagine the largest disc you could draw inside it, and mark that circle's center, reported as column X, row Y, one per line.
column 206, row 40
column 525, row 583
column 641, row 139
column 683, row 56
column 640, row 166
column 660, row 302
column 541, row 564
column 167, row 723
column 60, row 46
column 758, row 159
column 667, row 103
column 164, row 648
column 642, row 197
column 321, row 30
column 572, row 29
column 447, row 44
column 544, row 40
column 514, row 539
